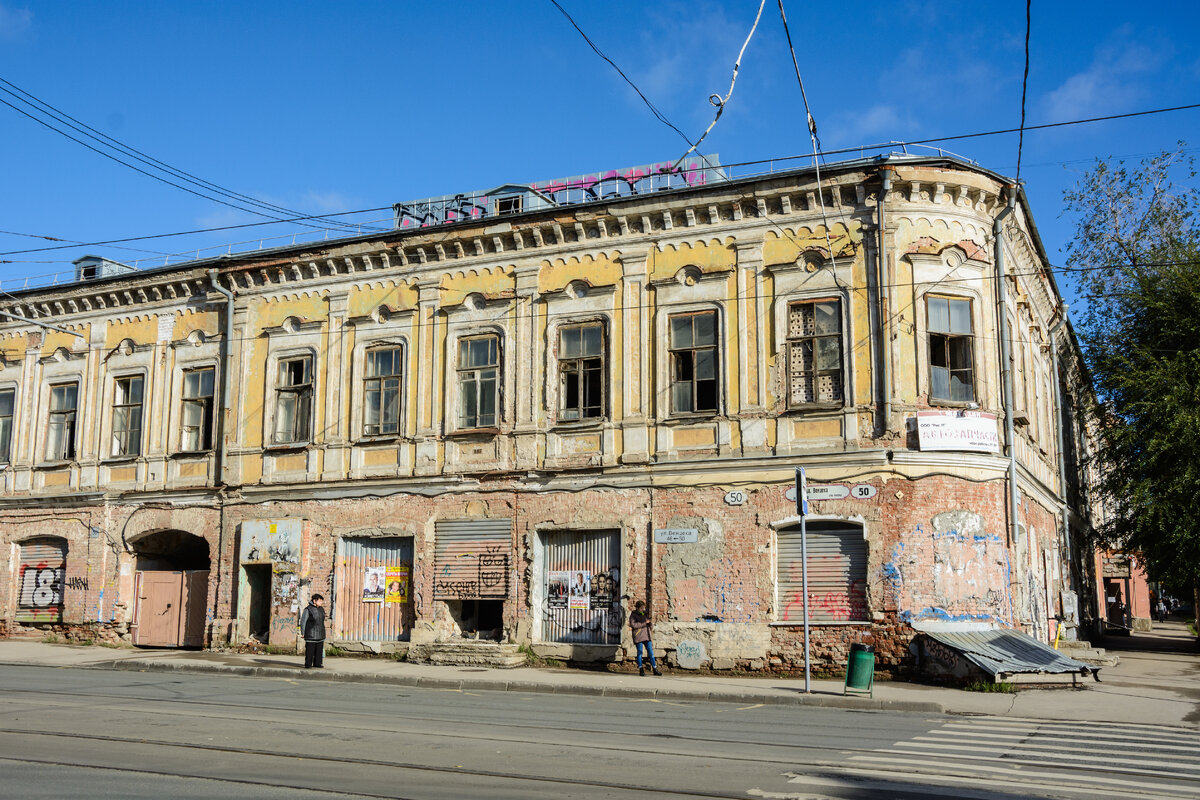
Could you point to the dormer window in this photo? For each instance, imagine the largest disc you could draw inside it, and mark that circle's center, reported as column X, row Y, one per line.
column 509, row 205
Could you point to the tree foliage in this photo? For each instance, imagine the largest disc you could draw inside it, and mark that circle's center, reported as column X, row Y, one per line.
column 1136, row 262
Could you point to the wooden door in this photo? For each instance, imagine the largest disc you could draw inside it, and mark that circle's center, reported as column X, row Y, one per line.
column 159, row 612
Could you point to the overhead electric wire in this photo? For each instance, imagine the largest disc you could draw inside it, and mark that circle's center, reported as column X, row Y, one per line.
column 716, row 99
column 108, row 141
column 654, row 109
column 1024, row 84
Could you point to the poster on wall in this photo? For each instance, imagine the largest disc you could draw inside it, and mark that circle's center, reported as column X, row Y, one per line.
column 373, row 582
column 556, row 589
column 580, row 594
column 397, row 583
column 605, row 586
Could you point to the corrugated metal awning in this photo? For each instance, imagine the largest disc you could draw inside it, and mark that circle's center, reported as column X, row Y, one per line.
column 1008, row 652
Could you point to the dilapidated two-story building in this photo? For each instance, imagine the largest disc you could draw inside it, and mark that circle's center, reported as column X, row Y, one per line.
column 513, row 412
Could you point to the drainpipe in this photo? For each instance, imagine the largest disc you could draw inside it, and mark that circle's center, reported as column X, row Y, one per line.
column 227, row 370
column 1010, row 439
column 1059, row 435
column 884, row 301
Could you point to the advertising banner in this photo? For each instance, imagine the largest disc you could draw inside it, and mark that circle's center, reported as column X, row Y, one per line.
column 958, row 430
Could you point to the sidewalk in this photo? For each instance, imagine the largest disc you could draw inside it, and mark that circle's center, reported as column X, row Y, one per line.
column 1149, row 686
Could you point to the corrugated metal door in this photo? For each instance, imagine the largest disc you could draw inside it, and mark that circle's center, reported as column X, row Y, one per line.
column 837, row 574
column 41, row 575
column 367, row 616
column 471, row 559
column 582, row 580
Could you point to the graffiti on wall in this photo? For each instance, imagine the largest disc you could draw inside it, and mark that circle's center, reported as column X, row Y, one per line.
column 41, row 594
column 955, row 572
column 696, row 171
column 273, row 541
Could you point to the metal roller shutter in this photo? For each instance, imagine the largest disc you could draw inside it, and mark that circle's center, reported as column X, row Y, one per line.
column 597, row 555
column 357, row 620
column 471, row 559
column 42, row 575
column 837, row 574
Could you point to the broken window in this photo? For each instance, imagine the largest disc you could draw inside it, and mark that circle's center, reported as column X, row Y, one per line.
column 694, row 363
column 951, row 350
column 293, row 407
column 581, row 371
column 814, row 343
column 127, row 416
column 508, row 205
column 381, row 392
column 197, row 416
column 478, row 381
column 60, row 439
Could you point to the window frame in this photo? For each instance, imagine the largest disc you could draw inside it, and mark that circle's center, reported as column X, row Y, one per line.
column 206, row 430
column 947, row 354
column 130, row 445
column 304, row 392
column 6, row 432
column 399, row 360
column 462, row 421
column 577, row 367
column 674, row 361
column 791, row 341
column 70, row 424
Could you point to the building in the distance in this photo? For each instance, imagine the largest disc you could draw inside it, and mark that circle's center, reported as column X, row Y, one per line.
column 514, row 412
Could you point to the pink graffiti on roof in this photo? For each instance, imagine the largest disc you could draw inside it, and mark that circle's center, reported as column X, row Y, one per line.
column 565, row 191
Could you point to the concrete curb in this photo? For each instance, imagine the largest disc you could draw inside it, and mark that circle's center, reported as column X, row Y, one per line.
column 455, row 684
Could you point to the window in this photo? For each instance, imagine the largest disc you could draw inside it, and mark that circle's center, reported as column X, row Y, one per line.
column 381, row 392
column 508, row 205
column 815, row 352
column 7, row 396
column 837, row 574
column 951, row 359
column 127, row 417
column 694, row 363
column 293, row 407
column 60, row 443
column 581, row 371
column 197, row 416
column 478, row 381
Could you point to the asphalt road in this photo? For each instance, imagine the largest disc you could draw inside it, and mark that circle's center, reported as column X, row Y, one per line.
column 95, row 733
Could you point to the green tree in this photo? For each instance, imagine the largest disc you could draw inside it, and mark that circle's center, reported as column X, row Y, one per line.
column 1135, row 260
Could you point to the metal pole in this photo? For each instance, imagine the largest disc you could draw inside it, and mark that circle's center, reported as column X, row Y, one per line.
column 802, row 512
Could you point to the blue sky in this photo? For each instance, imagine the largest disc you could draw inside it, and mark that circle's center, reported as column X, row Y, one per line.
column 324, row 107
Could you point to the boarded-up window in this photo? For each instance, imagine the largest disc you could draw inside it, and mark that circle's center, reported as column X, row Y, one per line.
column 837, row 574
column 42, row 575
column 815, row 352
column 582, row 580
column 472, row 559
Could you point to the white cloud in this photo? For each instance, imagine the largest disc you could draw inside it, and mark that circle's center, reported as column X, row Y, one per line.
column 868, row 126
column 1110, row 83
column 14, row 21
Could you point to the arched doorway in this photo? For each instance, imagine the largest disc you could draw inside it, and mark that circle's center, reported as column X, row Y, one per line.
column 171, row 583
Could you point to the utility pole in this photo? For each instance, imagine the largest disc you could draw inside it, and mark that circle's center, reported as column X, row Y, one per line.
column 802, row 512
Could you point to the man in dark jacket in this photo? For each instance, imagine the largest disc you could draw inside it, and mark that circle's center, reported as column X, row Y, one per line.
column 312, row 628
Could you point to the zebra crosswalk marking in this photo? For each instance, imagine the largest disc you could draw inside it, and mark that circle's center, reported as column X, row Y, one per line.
column 1100, row 741
column 968, row 771
column 1050, row 750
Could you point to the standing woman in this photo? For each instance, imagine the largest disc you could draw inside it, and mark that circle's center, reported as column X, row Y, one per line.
column 641, row 626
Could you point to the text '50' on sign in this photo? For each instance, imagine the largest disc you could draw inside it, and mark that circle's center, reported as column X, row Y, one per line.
column 835, row 491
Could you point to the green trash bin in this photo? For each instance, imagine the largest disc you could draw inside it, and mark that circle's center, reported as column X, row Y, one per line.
column 860, row 670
